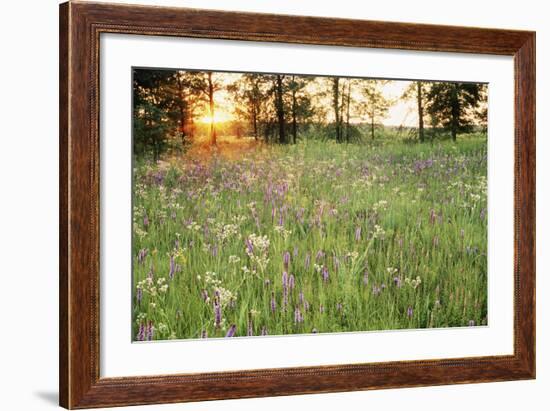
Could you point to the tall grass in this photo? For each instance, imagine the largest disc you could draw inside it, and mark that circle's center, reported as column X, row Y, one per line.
column 313, row 237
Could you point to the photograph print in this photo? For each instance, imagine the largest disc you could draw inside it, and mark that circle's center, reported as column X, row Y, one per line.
column 269, row 204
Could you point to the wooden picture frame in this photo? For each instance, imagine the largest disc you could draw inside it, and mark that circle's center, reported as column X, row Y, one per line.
column 80, row 27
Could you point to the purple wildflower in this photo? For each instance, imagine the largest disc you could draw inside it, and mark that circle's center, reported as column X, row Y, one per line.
column 217, row 312
column 320, row 254
column 141, row 332
column 376, row 290
column 204, row 334
column 139, row 295
column 264, row 330
column 284, row 280
column 324, row 272
column 301, row 297
column 308, row 260
column 231, row 331
column 358, row 234
column 204, row 295
column 151, row 272
column 249, row 246
column 286, row 259
column 273, row 303
column 291, row 282
column 397, row 282
column 142, row 254
column 172, row 268
column 410, row 312
column 150, row 331
column 145, row 221
column 298, row 318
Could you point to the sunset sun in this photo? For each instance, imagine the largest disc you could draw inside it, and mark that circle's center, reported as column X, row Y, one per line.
column 219, row 117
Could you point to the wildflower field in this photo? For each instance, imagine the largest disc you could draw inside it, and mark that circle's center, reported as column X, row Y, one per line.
column 315, row 237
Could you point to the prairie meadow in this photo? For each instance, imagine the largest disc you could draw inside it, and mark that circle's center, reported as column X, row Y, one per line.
column 274, row 220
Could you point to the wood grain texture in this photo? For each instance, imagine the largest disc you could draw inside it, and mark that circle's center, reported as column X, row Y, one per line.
column 63, row 204
column 80, row 27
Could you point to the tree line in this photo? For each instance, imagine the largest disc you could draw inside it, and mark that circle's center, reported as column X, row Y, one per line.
column 279, row 108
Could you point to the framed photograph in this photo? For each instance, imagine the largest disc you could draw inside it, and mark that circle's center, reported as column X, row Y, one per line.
column 259, row 205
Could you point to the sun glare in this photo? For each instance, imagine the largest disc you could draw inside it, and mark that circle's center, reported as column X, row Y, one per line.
column 218, row 118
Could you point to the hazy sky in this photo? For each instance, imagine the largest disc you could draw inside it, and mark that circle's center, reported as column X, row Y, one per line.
column 403, row 112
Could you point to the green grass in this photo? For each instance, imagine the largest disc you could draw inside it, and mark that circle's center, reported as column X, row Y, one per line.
column 420, row 208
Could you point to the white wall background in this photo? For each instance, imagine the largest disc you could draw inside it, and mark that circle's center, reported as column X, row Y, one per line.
column 29, row 191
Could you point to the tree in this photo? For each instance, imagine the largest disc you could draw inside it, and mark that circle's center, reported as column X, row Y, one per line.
column 152, row 100
column 337, row 106
column 420, row 108
column 480, row 112
column 376, row 105
column 350, row 105
column 300, row 102
column 212, row 87
column 185, row 88
column 248, row 92
column 417, row 90
column 452, row 105
column 294, row 87
column 280, row 109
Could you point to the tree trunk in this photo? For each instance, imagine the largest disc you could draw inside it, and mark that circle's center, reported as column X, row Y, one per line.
column 420, row 111
column 336, row 103
column 455, row 111
column 183, row 117
column 182, row 109
column 280, row 110
column 342, row 105
column 182, row 124
column 348, row 102
column 294, row 125
column 255, row 121
column 372, row 125
column 213, row 138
